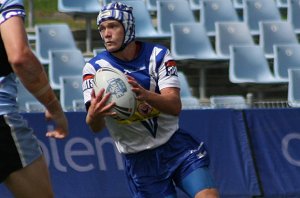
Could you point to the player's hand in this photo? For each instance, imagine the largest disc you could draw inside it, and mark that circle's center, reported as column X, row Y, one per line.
column 140, row 92
column 100, row 107
column 61, row 125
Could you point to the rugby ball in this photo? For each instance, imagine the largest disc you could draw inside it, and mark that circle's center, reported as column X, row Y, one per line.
column 115, row 82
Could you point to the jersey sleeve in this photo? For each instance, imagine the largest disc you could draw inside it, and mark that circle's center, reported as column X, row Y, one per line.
column 11, row 8
column 167, row 72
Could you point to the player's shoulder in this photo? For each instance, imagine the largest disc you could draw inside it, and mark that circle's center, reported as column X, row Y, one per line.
column 152, row 45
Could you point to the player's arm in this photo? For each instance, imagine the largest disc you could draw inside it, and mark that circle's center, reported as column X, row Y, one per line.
column 97, row 110
column 30, row 71
column 168, row 101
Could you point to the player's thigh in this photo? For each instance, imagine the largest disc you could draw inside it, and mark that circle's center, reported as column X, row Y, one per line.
column 198, row 180
column 32, row 181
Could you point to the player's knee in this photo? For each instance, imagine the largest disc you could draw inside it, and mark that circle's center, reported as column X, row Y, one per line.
column 208, row 193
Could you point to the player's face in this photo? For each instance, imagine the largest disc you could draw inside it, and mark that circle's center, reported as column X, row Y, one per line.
column 112, row 33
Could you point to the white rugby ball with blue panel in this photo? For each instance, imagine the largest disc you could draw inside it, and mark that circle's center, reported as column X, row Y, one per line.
column 115, row 82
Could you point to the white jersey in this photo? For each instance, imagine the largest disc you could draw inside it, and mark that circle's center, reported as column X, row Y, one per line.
column 154, row 69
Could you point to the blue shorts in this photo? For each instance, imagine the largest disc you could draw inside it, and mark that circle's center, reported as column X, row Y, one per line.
column 181, row 162
column 18, row 146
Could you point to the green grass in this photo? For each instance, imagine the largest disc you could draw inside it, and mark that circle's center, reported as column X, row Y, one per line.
column 45, row 11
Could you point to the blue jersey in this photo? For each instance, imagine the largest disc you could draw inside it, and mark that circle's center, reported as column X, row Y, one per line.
column 154, row 69
column 8, row 88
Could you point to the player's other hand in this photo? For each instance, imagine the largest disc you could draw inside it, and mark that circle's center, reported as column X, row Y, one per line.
column 61, row 125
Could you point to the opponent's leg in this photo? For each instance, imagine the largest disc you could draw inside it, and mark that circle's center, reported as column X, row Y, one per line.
column 33, row 181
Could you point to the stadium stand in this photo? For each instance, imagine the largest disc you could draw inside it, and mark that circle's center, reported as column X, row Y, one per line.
column 293, row 14
column 172, row 11
column 274, row 33
column 98, row 50
column 231, row 33
column 216, row 11
column 71, row 97
column 144, row 27
column 64, row 63
column 248, row 64
column 187, row 99
column 238, row 4
column 87, row 9
column 185, row 35
column 228, row 101
column 286, row 57
column 52, row 36
column 294, row 87
column 259, row 10
column 195, row 5
column 282, row 3
column 27, row 102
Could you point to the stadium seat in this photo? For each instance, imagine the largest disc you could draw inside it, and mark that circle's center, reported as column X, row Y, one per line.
column 286, row 57
column 71, row 96
column 98, row 50
column 248, row 64
column 293, row 14
column 50, row 37
column 213, row 11
column 238, row 4
column 190, row 41
column 151, row 5
column 144, row 28
column 64, row 63
column 26, row 101
column 87, row 9
column 231, row 33
column 282, row 3
column 228, row 101
column 294, row 87
column 259, row 10
column 274, row 33
column 172, row 11
column 195, row 4
column 187, row 99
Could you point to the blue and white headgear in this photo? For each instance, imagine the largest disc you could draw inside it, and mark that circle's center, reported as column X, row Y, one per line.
column 122, row 13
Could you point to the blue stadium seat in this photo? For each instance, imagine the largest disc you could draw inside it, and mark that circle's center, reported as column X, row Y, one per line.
column 274, row 33
column 187, row 99
column 64, row 63
column 238, row 4
column 248, row 64
column 190, row 41
column 144, row 28
column 231, row 33
column 172, row 11
column 228, row 101
column 71, row 96
column 282, row 3
column 286, row 57
column 213, row 11
column 260, row 10
column 294, row 87
column 151, row 5
column 293, row 14
column 87, row 9
column 98, row 50
column 195, row 5
column 26, row 101
column 50, row 37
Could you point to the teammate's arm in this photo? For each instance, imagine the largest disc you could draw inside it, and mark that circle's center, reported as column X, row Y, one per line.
column 31, row 73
